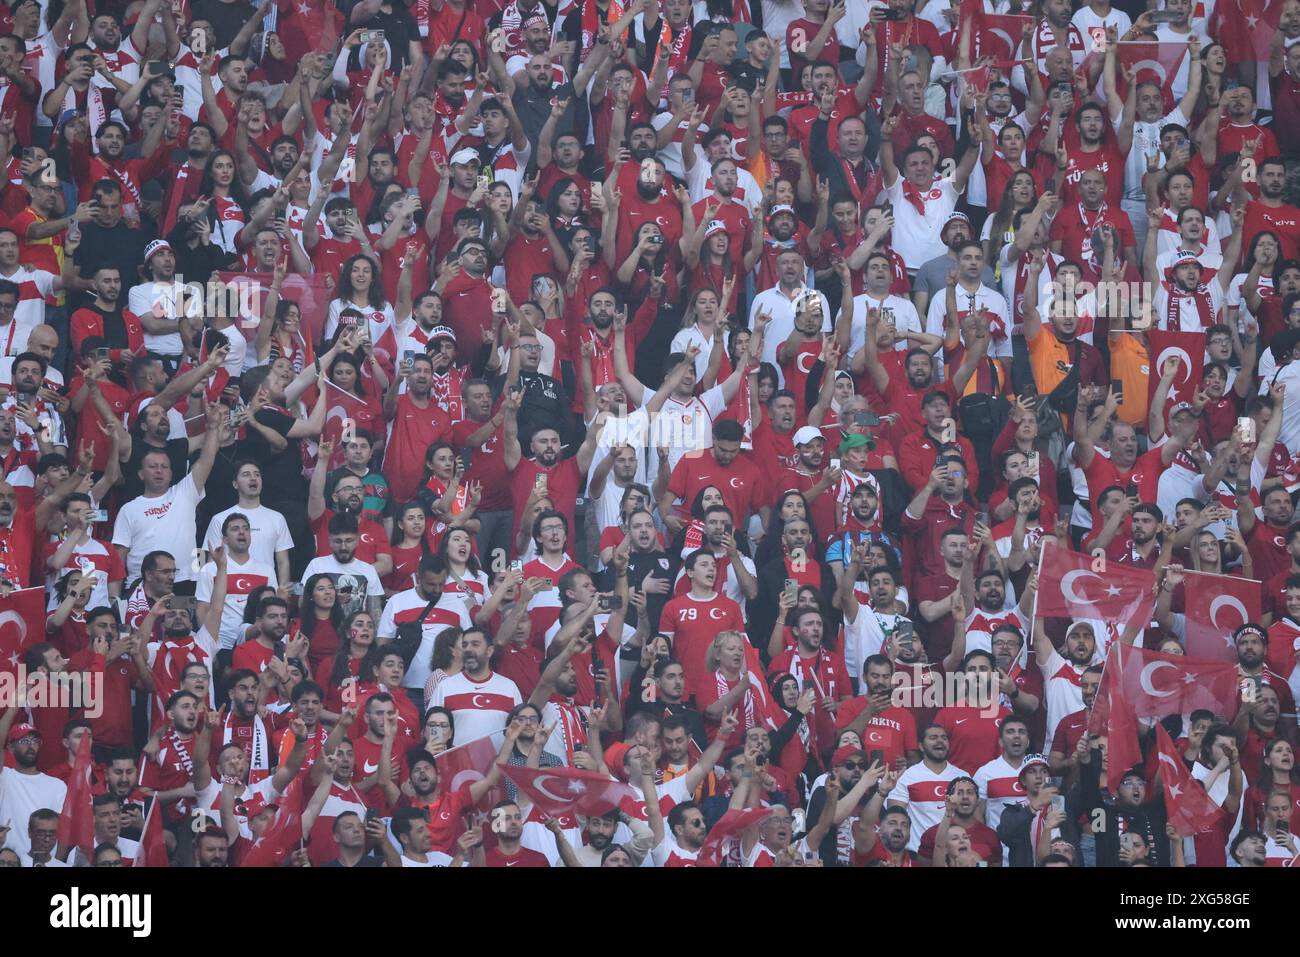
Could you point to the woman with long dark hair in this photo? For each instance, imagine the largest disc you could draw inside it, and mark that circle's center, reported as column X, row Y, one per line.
column 361, row 288
column 1278, row 774
column 445, row 660
column 334, row 674
column 228, row 211
column 789, row 506
column 564, row 204
column 449, row 501
column 320, row 618
column 409, row 546
column 280, row 331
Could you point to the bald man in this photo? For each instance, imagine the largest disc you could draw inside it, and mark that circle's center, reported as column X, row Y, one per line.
column 44, row 341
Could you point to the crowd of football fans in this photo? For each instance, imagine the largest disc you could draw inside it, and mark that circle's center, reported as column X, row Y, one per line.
column 460, row 433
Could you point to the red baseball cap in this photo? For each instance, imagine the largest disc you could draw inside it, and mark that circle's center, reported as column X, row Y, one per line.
column 20, row 731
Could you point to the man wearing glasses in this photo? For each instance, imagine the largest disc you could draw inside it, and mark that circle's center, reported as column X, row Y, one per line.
column 26, row 792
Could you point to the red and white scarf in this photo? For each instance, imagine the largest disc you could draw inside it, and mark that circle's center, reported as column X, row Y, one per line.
column 573, row 725
column 591, row 22
column 675, row 48
column 259, row 761
column 916, row 198
column 95, row 111
column 1202, row 299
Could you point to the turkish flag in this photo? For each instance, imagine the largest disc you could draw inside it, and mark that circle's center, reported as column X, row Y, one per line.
column 1156, row 685
column 1151, row 62
column 342, row 409
column 1189, row 349
column 77, row 820
column 284, row 831
column 308, row 25
column 311, row 293
column 1069, row 588
column 1190, row 809
column 1216, row 605
column 731, row 823
column 559, row 791
column 1246, row 31
column 1113, row 717
column 22, row 625
column 1000, row 34
column 153, row 850
column 467, row 763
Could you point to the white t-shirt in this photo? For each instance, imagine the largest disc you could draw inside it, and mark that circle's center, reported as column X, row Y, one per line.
column 241, row 581
column 893, row 309
column 142, row 299
column 270, row 532
column 925, row 795
column 1064, row 695
column 999, row 786
column 406, row 606
column 20, row 796
column 478, row 707
column 981, row 298
column 916, row 237
column 164, row 522
column 356, row 581
column 782, row 310
column 683, row 427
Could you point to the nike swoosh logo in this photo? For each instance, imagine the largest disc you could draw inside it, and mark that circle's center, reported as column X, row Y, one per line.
column 369, row 768
column 510, row 863
column 961, row 721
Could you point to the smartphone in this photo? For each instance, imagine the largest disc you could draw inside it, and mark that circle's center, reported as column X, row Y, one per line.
column 876, row 757
column 610, row 603
column 835, row 463
column 791, row 589
column 1246, row 429
column 371, row 36
column 904, row 629
column 1058, row 802
column 181, row 603
column 103, row 353
column 154, row 68
column 101, row 515
column 1163, row 16
column 1117, row 388
column 1131, row 490
column 1034, row 464
column 484, row 181
column 517, row 565
column 409, row 355
column 892, row 15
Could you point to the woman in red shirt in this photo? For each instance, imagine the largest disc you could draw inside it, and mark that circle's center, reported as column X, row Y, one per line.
column 409, row 546
column 335, row 674
column 1279, row 774
column 321, row 618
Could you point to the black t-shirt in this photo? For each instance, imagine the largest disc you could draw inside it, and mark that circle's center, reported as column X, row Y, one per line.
column 546, row 404
column 226, row 18
column 368, row 860
column 399, row 27
column 281, row 471
column 114, row 326
column 120, row 246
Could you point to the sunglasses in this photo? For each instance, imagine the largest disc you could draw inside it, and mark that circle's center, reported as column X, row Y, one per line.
column 855, row 765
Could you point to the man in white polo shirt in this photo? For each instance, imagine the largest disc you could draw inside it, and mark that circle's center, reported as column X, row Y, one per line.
column 922, row 204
